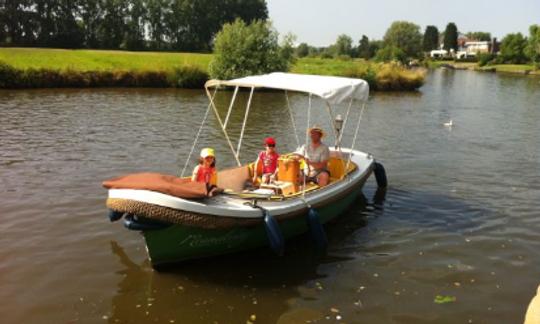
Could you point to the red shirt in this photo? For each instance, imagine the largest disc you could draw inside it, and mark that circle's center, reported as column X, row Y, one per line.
column 269, row 161
column 205, row 174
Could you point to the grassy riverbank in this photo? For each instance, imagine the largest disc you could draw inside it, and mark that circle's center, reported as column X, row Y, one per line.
column 503, row 68
column 381, row 76
column 93, row 60
column 46, row 68
column 41, row 68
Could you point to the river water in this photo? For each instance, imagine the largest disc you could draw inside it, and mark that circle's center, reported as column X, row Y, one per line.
column 460, row 218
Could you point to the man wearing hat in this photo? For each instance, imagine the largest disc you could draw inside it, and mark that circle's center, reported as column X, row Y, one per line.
column 316, row 155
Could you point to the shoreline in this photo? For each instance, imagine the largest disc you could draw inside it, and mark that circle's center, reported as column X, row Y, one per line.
column 516, row 69
column 30, row 68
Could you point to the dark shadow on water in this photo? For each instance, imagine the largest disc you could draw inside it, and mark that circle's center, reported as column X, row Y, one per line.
column 227, row 288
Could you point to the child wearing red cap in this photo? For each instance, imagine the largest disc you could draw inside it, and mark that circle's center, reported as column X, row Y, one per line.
column 269, row 160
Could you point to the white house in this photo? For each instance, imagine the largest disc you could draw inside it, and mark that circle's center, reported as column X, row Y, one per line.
column 441, row 53
column 472, row 49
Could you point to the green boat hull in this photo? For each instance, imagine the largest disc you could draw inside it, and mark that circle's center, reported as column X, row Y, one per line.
column 179, row 242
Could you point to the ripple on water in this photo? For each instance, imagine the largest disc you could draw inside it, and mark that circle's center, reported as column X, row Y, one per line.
column 459, row 219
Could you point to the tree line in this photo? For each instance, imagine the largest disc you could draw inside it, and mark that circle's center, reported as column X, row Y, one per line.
column 179, row 25
column 404, row 41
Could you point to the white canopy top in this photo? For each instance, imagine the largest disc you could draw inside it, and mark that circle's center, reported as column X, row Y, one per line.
column 330, row 88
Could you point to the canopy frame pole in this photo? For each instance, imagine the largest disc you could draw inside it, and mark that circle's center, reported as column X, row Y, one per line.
column 306, row 147
column 292, row 119
column 222, row 128
column 345, row 122
column 230, row 107
column 244, row 123
column 329, row 109
column 355, row 135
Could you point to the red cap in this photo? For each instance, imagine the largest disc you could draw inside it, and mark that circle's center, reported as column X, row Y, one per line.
column 269, row 141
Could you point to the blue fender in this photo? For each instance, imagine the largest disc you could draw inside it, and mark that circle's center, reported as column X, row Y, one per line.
column 316, row 229
column 380, row 175
column 134, row 223
column 114, row 215
column 274, row 234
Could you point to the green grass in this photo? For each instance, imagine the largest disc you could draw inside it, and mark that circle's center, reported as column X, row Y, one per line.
column 380, row 76
column 97, row 60
column 505, row 68
column 433, row 64
column 512, row 68
column 39, row 67
column 313, row 65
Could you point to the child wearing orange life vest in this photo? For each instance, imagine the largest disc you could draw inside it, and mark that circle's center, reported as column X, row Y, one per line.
column 206, row 170
column 269, row 160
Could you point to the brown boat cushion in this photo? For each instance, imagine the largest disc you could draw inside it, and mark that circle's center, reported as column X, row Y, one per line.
column 233, row 179
column 167, row 184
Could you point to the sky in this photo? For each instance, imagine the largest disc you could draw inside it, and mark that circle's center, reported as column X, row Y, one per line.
column 319, row 22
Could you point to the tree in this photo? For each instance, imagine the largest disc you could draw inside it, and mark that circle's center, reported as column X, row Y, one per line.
column 112, row 27
column 364, row 50
column 513, row 49
column 286, row 50
column 431, row 39
column 69, row 33
column 134, row 34
column 343, row 45
column 242, row 49
column 302, row 50
column 391, row 53
column 404, row 36
column 91, row 14
column 479, row 36
column 19, row 21
column 450, row 37
column 375, row 46
column 128, row 24
column 192, row 24
column 533, row 45
column 156, row 10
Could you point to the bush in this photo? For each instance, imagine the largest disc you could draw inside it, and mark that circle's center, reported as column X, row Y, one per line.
column 343, row 57
column 9, row 76
column 241, row 50
column 390, row 53
column 513, row 49
column 485, row 59
column 364, row 71
column 388, row 76
column 302, row 50
column 393, row 76
column 188, row 77
column 326, row 54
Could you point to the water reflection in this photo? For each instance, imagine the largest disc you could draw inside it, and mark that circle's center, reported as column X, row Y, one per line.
column 224, row 290
column 231, row 288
